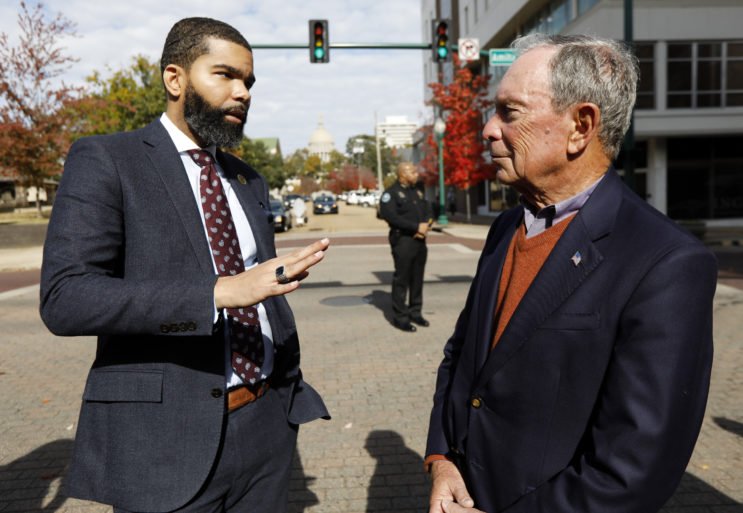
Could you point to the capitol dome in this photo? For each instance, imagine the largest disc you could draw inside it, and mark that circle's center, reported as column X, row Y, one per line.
column 321, row 142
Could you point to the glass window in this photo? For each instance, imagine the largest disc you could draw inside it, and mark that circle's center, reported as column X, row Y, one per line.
column 679, row 101
column 640, row 156
column 735, row 75
column 646, row 86
column 584, row 5
column 679, row 76
column 707, row 50
column 560, row 16
column 709, row 75
column 735, row 49
column 705, row 74
column 688, row 188
column 709, row 100
column 679, row 51
column 728, row 190
column 705, row 177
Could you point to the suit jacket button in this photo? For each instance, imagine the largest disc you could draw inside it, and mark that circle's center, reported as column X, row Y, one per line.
column 476, row 402
column 216, row 392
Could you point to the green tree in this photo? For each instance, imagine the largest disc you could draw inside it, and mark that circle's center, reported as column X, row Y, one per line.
column 257, row 155
column 33, row 128
column 368, row 158
column 126, row 100
column 294, row 163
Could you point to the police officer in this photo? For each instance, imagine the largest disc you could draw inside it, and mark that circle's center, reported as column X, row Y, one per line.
column 409, row 217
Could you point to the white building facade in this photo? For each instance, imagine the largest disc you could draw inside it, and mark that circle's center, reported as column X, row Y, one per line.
column 689, row 112
column 397, row 131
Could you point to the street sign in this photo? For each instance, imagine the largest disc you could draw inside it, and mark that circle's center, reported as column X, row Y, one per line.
column 502, row 56
column 469, row 49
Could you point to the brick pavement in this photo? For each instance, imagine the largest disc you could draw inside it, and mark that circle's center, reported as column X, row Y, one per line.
column 377, row 382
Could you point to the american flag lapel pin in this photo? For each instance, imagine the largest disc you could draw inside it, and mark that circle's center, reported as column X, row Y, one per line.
column 576, row 258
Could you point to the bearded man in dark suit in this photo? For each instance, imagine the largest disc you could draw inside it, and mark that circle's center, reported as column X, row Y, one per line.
column 160, row 244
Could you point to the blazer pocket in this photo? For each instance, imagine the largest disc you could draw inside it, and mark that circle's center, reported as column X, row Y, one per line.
column 572, row 321
column 124, row 386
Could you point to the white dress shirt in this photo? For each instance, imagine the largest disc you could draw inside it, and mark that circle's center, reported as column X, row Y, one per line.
column 245, row 237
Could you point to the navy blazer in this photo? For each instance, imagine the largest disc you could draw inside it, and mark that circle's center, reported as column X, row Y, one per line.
column 126, row 259
column 593, row 398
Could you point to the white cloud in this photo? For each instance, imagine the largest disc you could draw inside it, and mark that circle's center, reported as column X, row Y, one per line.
column 290, row 93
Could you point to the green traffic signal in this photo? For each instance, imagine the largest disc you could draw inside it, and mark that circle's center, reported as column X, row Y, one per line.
column 440, row 39
column 319, row 44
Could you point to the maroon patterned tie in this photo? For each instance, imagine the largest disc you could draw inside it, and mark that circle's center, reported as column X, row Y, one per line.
column 244, row 325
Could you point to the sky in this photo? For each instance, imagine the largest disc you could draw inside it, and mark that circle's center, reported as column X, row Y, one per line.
column 290, row 95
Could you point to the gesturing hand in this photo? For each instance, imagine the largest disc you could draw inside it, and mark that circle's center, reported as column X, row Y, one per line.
column 258, row 283
column 448, row 491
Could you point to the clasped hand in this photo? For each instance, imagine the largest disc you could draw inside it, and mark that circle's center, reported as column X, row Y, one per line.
column 258, row 283
column 448, row 491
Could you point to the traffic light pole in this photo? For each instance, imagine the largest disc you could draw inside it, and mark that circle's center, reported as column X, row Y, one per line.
column 350, row 46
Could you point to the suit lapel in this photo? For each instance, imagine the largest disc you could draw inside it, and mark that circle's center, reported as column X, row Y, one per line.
column 249, row 190
column 167, row 163
column 573, row 259
column 490, row 281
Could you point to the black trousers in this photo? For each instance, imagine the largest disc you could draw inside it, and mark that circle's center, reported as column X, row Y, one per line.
column 252, row 470
column 409, row 255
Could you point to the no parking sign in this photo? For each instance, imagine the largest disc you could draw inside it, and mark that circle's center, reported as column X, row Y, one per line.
column 469, row 49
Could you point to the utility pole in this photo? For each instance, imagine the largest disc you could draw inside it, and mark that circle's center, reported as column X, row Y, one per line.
column 629, row 138
column 380, row 185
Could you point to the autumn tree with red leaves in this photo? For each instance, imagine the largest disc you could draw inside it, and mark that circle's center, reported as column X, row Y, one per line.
column 461, row 103
column 33, row 129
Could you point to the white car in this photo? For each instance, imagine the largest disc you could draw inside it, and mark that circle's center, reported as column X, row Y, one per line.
column 370, row 199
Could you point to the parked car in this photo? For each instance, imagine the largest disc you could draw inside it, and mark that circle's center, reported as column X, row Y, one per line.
column 369, row 199
column 325, row 205
column 282, row 219
column 289, row 200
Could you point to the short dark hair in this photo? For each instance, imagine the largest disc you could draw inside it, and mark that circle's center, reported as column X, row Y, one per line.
column 187, row 40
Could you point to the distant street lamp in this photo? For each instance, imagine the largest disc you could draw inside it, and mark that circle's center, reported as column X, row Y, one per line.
column 358, row 149
column 439, row 128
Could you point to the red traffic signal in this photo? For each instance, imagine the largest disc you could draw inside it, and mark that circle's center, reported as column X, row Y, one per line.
column 319, row 51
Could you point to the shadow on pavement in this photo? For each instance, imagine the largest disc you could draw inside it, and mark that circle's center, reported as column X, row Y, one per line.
column 382, row 300
column 34, row 475
column 398, row 483
column 732, row 426
column 300, row 495
column 384, row 277
column 694, row 495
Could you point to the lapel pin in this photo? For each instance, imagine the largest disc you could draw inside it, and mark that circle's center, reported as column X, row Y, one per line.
column 576, row 258
column 241, row 179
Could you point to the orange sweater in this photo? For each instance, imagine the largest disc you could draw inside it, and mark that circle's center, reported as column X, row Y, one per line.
column 524, row 259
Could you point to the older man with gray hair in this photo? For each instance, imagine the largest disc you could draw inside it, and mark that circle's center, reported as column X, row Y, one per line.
column 577, row 375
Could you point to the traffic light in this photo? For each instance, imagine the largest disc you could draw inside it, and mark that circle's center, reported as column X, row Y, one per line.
column 319, row 41
column 440, row 40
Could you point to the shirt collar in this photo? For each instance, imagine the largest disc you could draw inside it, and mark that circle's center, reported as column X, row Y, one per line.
column 182, row 142
column 552, row 214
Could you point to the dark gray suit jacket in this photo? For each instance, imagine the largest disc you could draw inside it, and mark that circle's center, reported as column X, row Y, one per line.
column 593, row 398
column 126, row 259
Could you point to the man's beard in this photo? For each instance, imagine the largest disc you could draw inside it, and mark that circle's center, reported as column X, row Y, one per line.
column 208, row 124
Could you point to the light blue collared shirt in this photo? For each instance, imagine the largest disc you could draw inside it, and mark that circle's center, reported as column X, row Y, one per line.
column 537, row 220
